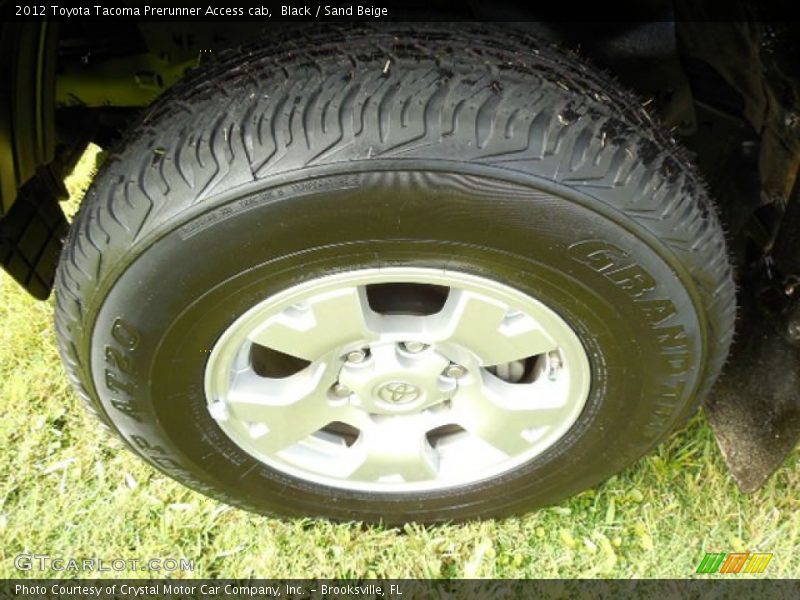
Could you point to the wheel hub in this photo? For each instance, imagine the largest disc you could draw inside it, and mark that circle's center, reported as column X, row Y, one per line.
column 395, row 403
column 394, row 381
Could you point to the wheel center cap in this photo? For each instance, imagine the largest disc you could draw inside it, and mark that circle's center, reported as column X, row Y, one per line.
column 398, row 392
column 392, row 381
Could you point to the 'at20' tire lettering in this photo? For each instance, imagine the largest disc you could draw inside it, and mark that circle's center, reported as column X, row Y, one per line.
column 119, row 375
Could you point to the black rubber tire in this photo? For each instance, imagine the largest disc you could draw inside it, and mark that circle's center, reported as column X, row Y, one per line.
column 477, row 149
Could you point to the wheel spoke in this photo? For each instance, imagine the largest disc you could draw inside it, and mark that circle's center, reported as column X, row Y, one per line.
column 310, row 329
column 488, row 327
column 491, row 416
column 281, row 412
column 396, row 447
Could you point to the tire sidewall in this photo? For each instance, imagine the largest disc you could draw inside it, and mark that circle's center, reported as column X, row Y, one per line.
column 161, row 316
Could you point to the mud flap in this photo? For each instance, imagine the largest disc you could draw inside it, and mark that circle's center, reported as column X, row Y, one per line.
column 754, row 409
column 32, row 234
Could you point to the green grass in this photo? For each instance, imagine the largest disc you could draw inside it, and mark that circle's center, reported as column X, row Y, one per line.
column 67, row 489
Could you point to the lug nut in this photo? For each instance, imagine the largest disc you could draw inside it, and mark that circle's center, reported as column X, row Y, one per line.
column 356, row 356
column 340, row 391
column 219, row 411
column 455, row 371
column 414, row 347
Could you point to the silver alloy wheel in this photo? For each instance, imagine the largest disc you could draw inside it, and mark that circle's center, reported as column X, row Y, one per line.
column 389, row 402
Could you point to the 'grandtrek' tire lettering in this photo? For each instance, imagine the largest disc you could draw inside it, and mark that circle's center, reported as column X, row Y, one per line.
column 613, row 263
column 616, row 266
column 160, row 457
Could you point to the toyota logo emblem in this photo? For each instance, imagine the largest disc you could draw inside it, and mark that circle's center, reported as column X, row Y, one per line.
column 398, row 392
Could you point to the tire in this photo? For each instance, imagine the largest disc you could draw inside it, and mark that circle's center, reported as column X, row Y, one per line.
column 470, row 151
